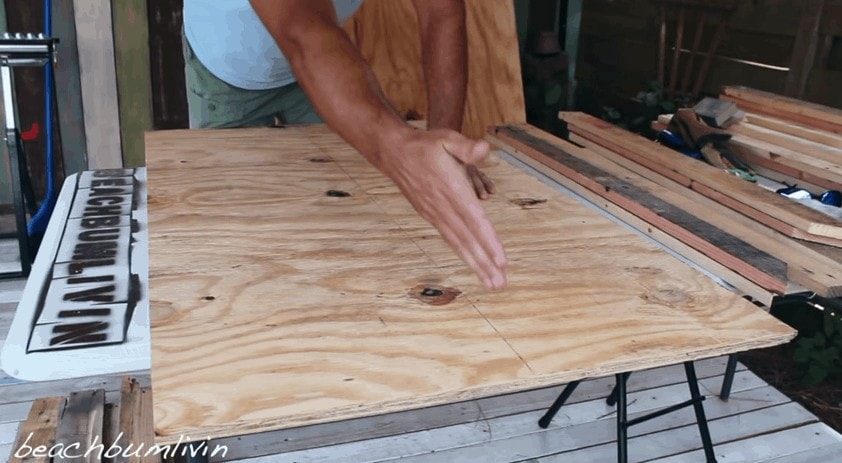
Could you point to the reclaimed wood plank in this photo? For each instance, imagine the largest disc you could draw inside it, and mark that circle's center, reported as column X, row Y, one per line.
column 765, row 207
column 808, row 264
column 79, row 425
column 95, row 44
column 737, row 281
column 797, row 130
column 790, row 106
column 68, row 88
column 385, row 350
column 38, row 429
column 802, row 146
column 135, row 426
column 133, row 76
column 767, row 110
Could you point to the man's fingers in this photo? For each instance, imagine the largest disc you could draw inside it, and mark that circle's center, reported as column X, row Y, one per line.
column 483, row 185
column 465, row 226
column 477, row 181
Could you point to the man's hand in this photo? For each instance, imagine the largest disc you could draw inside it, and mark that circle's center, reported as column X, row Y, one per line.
column 427, row 166
column 430, row 175
column 483, row 185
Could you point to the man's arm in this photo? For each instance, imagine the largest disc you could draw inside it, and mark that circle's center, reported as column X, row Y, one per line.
column 444, row 59
column 423, row 164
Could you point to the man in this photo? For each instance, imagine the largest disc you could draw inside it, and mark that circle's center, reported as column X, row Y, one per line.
column 249, row 61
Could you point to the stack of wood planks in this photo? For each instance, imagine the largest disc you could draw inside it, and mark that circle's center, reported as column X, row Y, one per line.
column 788, row 140
column 760, row 242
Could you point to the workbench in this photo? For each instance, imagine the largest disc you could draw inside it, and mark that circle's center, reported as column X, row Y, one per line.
column 291, row 284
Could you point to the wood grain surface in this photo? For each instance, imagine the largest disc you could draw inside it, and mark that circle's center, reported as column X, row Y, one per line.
column 275, row 304
column 386, row 32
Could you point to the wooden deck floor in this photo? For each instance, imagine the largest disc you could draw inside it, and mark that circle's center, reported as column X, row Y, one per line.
column 758, row 423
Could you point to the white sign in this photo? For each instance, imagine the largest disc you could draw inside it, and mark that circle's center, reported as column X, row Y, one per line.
column 85, row 309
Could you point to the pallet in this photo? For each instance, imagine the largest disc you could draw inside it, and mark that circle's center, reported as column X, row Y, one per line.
column 84, row 423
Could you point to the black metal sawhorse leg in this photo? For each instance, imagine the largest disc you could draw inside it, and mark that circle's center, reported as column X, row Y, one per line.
column 728, row 378
column 724, row 392
column 619, row 396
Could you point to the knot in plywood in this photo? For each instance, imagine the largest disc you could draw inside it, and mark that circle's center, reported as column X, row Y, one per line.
column 527, row 203
column 434, row 294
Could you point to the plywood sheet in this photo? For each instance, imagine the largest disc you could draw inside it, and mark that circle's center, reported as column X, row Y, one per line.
column 274, row 304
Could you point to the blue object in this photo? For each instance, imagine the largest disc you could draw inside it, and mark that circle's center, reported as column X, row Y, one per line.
column 675, row 142
column 38, row 224
column 831, row 198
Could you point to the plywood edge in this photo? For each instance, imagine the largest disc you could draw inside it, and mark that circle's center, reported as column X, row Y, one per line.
column 781, row 335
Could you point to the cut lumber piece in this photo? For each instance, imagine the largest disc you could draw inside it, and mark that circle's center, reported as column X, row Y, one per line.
column 790, row 142
column 764, row 206
column 646, row 200
column 811, row 265
column 786, row 104
column 609, row 176
column 80, row 425
column 807, row 133
column 135, row 426
column 38, row 429
column 788, row 112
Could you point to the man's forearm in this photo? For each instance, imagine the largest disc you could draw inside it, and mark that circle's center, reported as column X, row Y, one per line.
column 335, row 77
column 445, row 60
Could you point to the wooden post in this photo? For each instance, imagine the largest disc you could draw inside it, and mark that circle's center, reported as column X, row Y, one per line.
column 95, row 43
column 804, row 49
column 71, row 119
column 571, row 47
column 131, row 46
